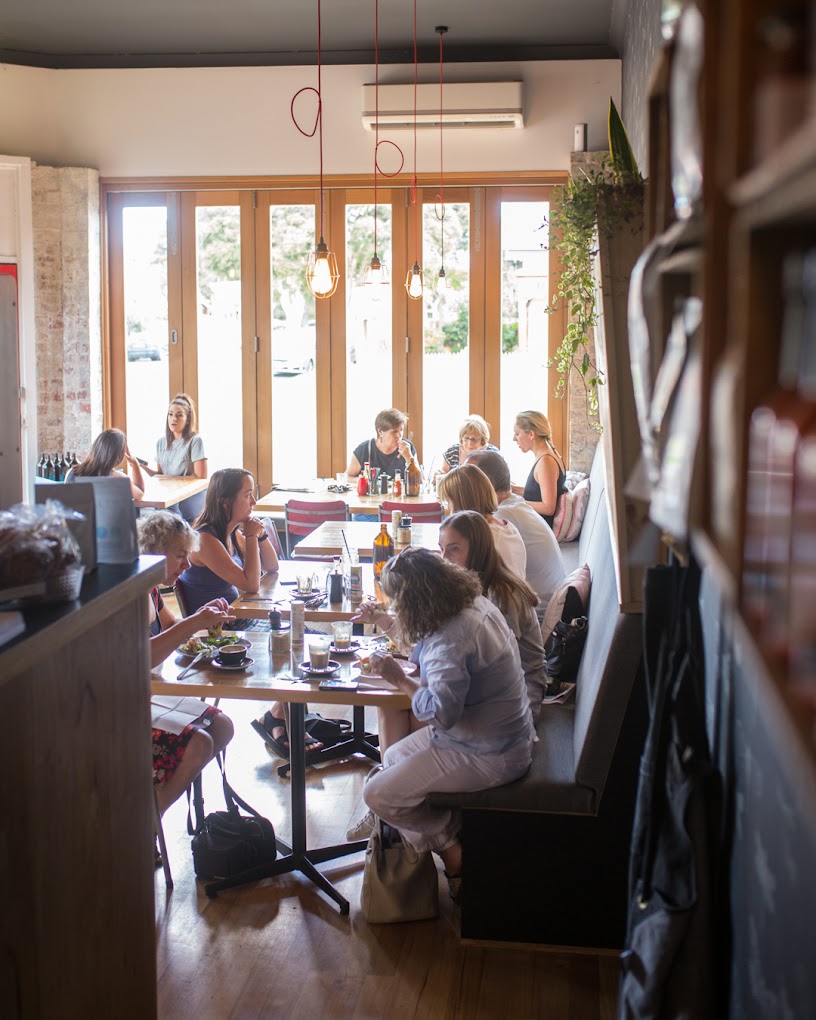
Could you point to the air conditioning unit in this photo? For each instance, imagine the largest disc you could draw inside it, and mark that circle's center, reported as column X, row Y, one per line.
column 465, row 104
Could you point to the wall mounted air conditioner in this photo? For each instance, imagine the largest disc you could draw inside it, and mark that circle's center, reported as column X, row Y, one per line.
column 465, row 104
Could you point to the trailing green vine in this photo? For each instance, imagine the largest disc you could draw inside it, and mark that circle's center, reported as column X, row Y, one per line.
column 616, row 188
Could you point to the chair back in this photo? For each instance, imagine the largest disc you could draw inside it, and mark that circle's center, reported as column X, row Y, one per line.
column 178, row 591
column 301, row 517
column 420, row 513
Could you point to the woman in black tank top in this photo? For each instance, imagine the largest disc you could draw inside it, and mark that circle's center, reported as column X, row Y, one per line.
column 547, row 479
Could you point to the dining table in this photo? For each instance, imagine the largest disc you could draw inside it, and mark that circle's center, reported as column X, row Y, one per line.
column 332, row 537
column 278, row 589
column 163, row 491
column 281, row 678
column 318, row 491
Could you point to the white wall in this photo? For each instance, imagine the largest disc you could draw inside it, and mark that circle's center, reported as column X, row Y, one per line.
column 236, row 121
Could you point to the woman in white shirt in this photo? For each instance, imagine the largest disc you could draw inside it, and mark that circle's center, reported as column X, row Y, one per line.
column 468, row 488
column 180, row 451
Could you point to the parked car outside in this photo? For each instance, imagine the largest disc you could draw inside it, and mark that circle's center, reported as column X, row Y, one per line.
column 293, row 349
column 143, row 350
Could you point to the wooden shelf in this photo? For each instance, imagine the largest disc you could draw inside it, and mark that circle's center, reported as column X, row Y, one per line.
column 780, row 184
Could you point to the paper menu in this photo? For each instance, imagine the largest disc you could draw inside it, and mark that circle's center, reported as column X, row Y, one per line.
column 174, row 714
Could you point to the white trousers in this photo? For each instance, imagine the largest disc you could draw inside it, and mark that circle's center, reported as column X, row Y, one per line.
column 414, row 767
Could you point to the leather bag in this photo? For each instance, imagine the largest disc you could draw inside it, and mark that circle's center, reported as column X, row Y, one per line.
column 563, row 650
column 399, row 884
column 225, row 843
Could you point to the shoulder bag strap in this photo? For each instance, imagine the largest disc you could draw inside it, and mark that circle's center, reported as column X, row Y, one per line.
column 231, row 798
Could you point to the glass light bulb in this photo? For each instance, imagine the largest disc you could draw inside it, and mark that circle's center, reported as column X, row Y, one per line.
column 413, row 282
column 321, row 280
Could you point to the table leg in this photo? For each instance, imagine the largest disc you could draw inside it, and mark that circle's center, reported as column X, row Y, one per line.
column 296, row 857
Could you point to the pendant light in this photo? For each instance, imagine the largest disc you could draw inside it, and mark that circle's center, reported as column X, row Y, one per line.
column 376, row 274
column 442, row 281
column 413, row 281
column 322, row 274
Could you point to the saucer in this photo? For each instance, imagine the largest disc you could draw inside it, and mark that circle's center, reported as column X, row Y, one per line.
column 305, row 595
column 321, row 670
column 350, row 650
column 243, row 665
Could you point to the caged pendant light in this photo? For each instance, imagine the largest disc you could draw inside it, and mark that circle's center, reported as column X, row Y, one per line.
column 414, row 280
column 322, row 274
column 442, row 281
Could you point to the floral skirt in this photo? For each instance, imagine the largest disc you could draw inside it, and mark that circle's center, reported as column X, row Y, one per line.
column 169, row 748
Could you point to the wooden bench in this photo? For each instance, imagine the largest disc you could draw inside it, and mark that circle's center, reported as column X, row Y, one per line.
column 545, row 858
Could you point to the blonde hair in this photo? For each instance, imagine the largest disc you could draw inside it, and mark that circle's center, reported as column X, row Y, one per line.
column 538, row 423
column 159, row 530
column 467, row 487
column 475, row 423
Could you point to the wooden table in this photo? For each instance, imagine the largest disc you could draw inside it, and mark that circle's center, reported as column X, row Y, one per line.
column 270, row 678
column 276, row 588
column 327, row 539
column 317, row 492
column 164, row 491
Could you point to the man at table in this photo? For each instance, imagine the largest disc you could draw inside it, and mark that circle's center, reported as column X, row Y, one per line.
column 545, row 565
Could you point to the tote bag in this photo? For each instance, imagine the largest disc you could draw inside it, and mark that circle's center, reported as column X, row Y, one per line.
column 399, row 884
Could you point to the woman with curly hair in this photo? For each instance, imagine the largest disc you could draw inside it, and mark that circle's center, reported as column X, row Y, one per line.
column 179, row 757
column 470, row 697
column 107, row 451
column 468, row 488
column 465, row 539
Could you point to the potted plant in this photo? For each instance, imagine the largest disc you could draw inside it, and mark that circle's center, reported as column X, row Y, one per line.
column 591, row 214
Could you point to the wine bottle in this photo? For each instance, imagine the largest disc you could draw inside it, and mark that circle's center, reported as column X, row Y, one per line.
column 383, row 549
column 59, row 474
column 48, row 470
column 41, row 465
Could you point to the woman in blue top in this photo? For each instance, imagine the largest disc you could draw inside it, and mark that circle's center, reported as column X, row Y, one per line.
column 233, row 545
column 470, row 696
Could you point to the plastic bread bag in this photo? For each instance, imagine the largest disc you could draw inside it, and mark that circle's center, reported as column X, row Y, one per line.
column 38, row 549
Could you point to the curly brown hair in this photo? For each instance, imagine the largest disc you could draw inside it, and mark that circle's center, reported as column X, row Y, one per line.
column 426, row 591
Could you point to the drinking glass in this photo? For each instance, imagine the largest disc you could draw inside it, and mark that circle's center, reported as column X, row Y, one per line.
column 304, row 583
column 318, row 650
column 341, row 633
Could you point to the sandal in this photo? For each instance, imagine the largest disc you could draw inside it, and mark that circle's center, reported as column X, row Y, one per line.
column 280, row 745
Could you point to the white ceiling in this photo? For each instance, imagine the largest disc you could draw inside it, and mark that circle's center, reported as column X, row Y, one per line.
column 181, row 33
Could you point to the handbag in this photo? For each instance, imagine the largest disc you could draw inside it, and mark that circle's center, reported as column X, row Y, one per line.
column 399, row 883
column 328, row 731
column 225, row 843
column 563, row 650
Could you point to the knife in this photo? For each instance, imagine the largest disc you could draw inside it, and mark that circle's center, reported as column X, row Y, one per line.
column 196, row 660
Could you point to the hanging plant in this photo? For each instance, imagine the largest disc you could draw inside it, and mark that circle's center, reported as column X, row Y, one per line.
column 614, row 190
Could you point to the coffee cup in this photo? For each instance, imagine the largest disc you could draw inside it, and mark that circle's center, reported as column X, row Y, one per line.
column 231, row 655
column 318, row 651
column 341, row 634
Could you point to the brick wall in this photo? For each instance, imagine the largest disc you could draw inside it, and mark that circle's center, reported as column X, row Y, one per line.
column 65, row 213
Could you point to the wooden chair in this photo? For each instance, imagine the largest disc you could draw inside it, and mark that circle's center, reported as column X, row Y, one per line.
column 420, row 513
column 301, row 517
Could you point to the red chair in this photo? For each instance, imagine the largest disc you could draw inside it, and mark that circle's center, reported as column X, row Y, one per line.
column 301, row 517
column 420, row 513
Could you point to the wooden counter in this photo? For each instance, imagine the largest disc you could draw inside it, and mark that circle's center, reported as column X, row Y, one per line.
column 77, row 920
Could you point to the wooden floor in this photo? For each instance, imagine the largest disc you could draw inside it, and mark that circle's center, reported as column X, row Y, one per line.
column 280, row 949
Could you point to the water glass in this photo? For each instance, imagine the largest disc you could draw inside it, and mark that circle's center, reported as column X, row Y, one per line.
column 341, row 634
column 304, row 583
column 318, row 650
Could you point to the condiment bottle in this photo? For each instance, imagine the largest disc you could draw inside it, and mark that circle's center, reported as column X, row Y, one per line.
column 297, row 613
column 404, row 531
column 383, row 549
column 396, row 517
column 397, row 483
column 279, row 634
column 362, row 481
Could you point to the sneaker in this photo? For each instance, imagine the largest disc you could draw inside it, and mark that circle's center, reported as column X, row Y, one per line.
column 363, row 828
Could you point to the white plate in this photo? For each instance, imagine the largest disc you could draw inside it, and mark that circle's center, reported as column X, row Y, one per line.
column 409, row 668
column 244, row 665
column 322, row 670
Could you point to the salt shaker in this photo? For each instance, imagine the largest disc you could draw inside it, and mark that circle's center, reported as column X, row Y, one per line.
column 404, row 531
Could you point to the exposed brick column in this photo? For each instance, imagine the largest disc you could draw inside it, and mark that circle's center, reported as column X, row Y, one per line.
column 65, row 211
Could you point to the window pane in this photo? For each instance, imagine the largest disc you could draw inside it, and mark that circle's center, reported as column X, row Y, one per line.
column 445, row 363
column 146, row 331
column 368, row 323
column 525, row 286
column 218, row 281
column 294, row 388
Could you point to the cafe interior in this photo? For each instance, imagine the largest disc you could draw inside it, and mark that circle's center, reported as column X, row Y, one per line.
column 300, row 215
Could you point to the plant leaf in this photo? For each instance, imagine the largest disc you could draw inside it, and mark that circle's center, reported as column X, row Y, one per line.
column 623, row 159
